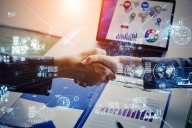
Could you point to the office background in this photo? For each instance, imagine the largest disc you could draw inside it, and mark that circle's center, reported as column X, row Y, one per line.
column 73, row 25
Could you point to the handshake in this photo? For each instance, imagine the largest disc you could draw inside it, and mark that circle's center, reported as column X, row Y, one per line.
column 92, row 67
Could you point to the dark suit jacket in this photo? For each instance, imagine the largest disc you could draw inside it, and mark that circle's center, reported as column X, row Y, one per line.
column 20, row 74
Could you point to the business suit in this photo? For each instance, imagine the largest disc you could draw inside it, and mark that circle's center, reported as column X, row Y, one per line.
column 20, row 73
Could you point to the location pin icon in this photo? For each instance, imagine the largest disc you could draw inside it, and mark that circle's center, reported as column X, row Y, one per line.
column 133, row 15
column 159, row 20
column 157, row 8
column 151, row 13
column 126, row 4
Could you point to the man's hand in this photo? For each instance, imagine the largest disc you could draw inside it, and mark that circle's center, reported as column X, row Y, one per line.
column 112, row 61
column 85, row 75
column 109, row 61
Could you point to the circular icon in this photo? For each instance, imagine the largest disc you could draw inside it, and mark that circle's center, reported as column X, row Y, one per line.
column 179, row 80
column 22, row 59
column 157, row 8
column 133, row 15
column 164, row 71
column 145, row 5
column 181, row 35
column 140, row 48
column 15, row 59
column 148, row 77
column 151, row 13
column 76, row 98
column 63, row 102
column 50, row 75
column 143, row 15
column 127, row 4
column 134, row 71
column 151, row 35
column 159, row 20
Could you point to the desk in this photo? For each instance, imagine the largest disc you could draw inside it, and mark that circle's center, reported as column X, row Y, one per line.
column 79, row 36
column 180, row 102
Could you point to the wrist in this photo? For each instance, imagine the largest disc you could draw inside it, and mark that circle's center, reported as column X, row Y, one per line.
column 66, row 65
column 128, row 60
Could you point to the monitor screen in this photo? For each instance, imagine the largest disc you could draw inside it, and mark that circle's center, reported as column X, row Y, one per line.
column 143, row 22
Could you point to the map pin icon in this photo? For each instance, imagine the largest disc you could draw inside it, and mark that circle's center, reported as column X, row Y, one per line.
column 159, row 20
column 133, row 15
column 126, row 4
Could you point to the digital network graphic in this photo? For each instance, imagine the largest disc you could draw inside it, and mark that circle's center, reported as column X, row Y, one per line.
column 23, row 45
column 65, row 94
column 151, row 35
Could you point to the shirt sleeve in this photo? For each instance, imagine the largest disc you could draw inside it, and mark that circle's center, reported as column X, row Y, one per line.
column 162, row 73
column 26, row 74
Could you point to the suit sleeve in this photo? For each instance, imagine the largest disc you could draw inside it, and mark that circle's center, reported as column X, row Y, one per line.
column 161, row 73
column 26, row 74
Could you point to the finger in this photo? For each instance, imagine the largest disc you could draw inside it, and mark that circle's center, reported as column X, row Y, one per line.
column 77, row 81
column 99, row 83
column 111, row 76
column 106, row 80
column 83, row 84
column 91, row 59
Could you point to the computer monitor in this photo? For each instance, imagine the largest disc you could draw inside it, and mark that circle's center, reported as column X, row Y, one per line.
column 145, row 23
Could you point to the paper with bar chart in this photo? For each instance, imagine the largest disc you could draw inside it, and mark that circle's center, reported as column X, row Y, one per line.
column 133, row 107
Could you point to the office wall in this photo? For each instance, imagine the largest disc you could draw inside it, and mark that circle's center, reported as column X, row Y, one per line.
column 43, row 15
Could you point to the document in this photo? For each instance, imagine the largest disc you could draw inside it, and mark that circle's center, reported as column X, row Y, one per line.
column 133, row 107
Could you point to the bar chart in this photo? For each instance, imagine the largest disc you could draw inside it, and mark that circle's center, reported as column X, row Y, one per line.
column 129, row 113
column 132, row 107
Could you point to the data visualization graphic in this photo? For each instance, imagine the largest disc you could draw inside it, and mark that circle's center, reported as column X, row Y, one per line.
column 23, row 45
column 151, row 35
column 65, row 94
column 134, row 71
column 129, row 113
column 181, row 34
column 132, row 107
column 164, row 71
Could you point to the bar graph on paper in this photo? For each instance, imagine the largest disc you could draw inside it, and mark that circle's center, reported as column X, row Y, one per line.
column 134, row 108
column 129, row 113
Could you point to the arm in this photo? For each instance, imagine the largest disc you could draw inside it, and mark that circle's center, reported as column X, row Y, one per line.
column 171, row 66
column 31, row 74
column 20, row 73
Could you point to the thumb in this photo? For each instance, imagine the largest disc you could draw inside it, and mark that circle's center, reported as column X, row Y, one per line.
column 86, row 61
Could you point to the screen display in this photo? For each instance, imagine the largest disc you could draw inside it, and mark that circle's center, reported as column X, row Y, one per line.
column 136, row 21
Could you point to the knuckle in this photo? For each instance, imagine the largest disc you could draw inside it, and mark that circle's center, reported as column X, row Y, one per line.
column 96, row 50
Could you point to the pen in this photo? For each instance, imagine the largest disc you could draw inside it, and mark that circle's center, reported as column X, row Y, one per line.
column 119, row 124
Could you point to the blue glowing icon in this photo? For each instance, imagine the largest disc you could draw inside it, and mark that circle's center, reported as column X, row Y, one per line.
column 145, row 5
column 159, row 20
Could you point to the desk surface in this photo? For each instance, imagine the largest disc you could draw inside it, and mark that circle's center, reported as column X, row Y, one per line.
column 79, row 34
